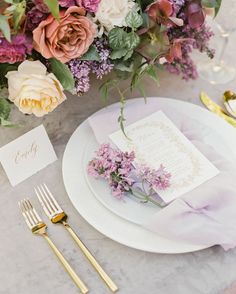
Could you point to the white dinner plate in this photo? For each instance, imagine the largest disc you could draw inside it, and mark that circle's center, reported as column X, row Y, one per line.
column 106, row 221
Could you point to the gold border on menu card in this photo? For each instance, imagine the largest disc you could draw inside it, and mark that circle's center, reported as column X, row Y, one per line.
column 196, row 170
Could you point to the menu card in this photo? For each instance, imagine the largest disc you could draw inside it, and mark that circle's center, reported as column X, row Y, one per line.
column 156, row 140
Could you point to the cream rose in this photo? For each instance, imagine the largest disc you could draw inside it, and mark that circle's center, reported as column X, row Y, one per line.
column 33, row 90
column 112, row 13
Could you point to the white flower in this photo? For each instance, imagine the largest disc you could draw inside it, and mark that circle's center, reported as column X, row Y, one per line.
column 33, row 90
column 113, row 12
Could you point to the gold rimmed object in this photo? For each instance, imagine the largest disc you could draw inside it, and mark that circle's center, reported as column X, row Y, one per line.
column 229, row 98
column 217, row 109
column 37, row 226
column 56, row 214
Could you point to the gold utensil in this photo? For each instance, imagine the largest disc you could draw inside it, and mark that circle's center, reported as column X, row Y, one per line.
column 229, row 99
column 217, row 109
column 57, row 215
column 37, row 226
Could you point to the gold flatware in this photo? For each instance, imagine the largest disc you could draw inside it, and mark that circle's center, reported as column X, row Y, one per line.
column 217, row 109
column 37, row 226
column 229, row 99
column 57, row 215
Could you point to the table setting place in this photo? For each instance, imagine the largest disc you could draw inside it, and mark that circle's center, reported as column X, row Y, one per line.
column 130, row 182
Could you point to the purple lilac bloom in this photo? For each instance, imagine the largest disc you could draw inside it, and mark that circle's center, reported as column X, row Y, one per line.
column 117, row 168
column 16, row 50
column 81, row 69
column 192, row 39
column 156, row 179
column 35, row 15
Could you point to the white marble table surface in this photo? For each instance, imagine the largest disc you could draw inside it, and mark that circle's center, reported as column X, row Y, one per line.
column 28, row 266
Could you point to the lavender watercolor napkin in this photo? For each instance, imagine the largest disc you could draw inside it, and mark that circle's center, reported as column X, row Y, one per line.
column 207, row 215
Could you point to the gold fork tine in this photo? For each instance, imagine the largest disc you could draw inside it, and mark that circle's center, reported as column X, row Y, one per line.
column 37, row 226
column 52, row 198
column 42, row 201
column 28, row 213
column 26, row 216
column 59, row 216
column 47, row 199
column 29, row 210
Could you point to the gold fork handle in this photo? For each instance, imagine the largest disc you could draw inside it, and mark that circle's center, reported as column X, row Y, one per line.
column 92, row 259
column 66, row 265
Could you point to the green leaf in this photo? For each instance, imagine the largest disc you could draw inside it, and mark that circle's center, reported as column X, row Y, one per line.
column 5, row 28
column 146, row 19
column 122, row 75
column 18, row 13
column 212, row 4
column 116, row 38
column 132, row 40
column 141, row 89
column 134, row 20
column 104, row 89
column 4, row 69
column 53, row 6
column 116, row 54
column 218, row 7
column 91, row 54
column 151, row 71
column 124, row 67
column 5, row 110
column 121, row 121
column 63, row 74
column 6, row 123
column 128, row 54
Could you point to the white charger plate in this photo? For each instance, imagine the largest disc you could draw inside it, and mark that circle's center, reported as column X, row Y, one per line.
column 110, row 224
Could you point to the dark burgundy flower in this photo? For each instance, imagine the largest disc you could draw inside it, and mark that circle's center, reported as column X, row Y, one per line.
column 195, row 14
column 162, row 12
column 37, row 14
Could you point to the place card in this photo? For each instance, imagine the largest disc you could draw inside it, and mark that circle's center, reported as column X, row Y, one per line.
column 27, row 155
column 156, row 140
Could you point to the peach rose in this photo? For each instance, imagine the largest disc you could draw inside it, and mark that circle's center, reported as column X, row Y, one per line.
column 33, row 90
column 66, row 38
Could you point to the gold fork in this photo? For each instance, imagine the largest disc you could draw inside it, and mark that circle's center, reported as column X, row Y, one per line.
column 37, row 226
column 57, row 215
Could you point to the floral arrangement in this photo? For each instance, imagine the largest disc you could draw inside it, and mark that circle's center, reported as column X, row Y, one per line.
column 49, row 46
column 117, row 168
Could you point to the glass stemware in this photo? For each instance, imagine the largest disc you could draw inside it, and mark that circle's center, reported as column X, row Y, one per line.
column 218, row 71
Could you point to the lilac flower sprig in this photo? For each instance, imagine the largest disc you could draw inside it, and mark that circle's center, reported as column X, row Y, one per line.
column 82, row 69
column 116, row 167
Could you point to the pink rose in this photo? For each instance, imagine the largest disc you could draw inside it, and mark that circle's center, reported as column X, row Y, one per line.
column 67, row 38
column 89, row 5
